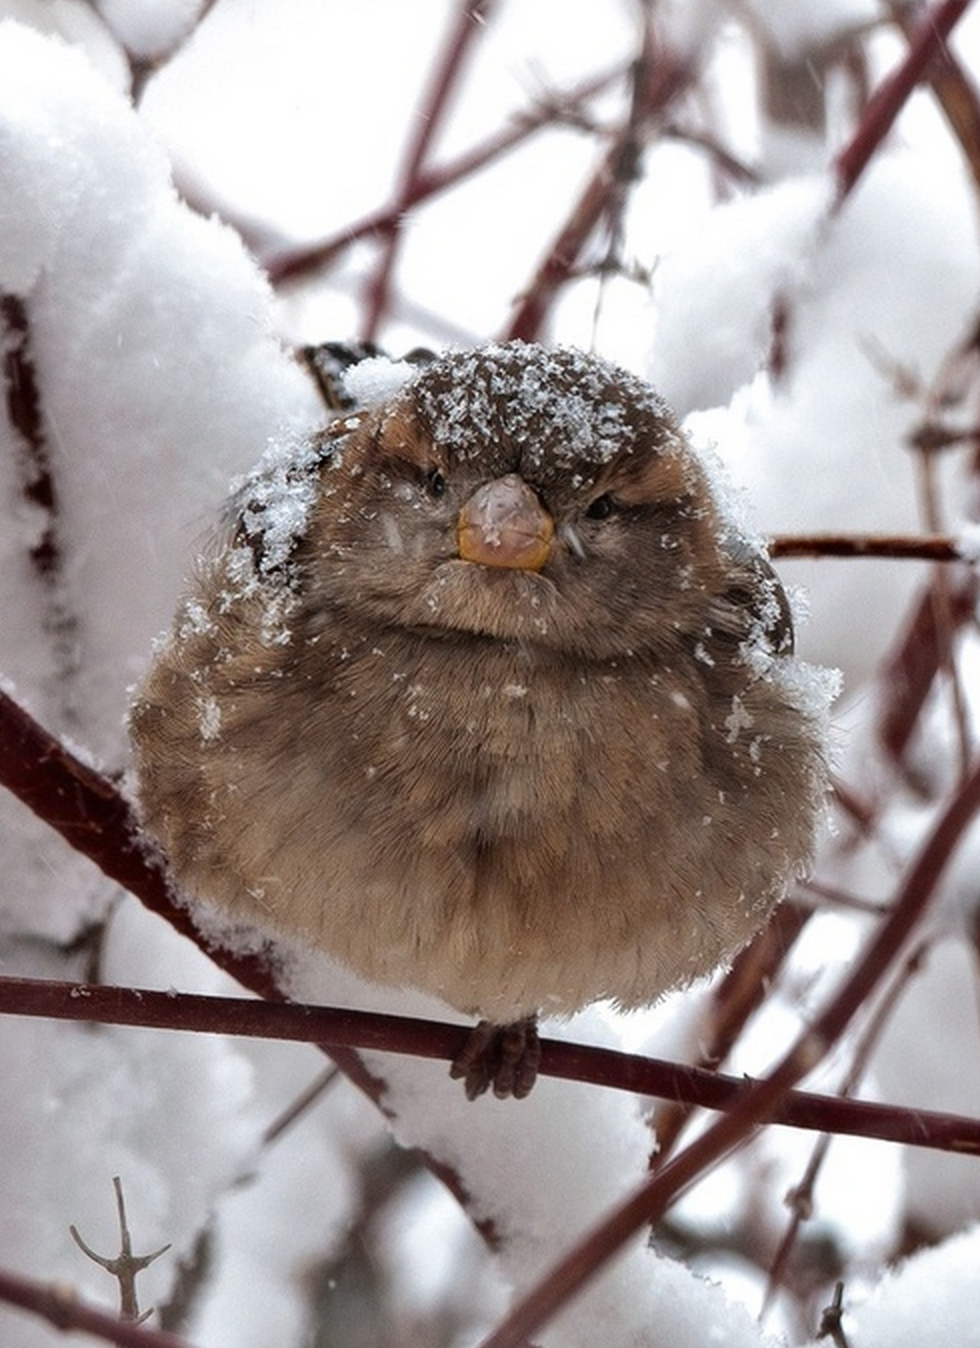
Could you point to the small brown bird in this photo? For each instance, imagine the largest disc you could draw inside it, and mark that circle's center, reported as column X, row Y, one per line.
column 483, row 694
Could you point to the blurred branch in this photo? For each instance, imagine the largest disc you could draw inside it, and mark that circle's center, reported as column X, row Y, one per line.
column 38, row 488
column 832, row 1318
column 660, row 77
column 954, row 90
column 289, row 264
column 908, row 673
column 20, row 381
column 469, row 23
column 649, row 1202
column 926, row 44
column 61, row 1307
column 332, row 1028
column 734, row 1001
column 722, row 158
column 899, row 547
column 143, row 68
column 800, row 1198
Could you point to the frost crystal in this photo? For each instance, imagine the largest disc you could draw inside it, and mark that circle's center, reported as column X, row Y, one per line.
column 272, row 503
column 194, row 620
column 544, row 403
column 739, row 719
column 209, row 719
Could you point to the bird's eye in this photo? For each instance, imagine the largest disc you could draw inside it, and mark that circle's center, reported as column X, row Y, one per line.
column 601, row 508
column 435, row 484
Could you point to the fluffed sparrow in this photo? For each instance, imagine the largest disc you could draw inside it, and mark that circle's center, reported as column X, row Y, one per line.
column 483, row 693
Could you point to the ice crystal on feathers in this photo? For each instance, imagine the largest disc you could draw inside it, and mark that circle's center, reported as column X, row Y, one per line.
column 558, row 405
column 271, row 505
column 194, row 619
column 209, row 715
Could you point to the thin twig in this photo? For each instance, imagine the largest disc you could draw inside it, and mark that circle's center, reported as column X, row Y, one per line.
column 800, row 1198
column 626, row 172
column 290, row 264
column 908, row 673
column 737, row 996
column 303, row 1102
column 124, row 1266
column 831, row 1321
column 665, row 77
column 39, row 488
column 143, row 68
column 954, row 91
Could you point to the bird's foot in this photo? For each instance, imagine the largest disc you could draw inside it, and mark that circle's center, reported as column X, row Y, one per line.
column 505, row 1057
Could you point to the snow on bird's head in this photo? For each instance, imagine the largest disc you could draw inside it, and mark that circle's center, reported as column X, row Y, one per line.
column 560, row 404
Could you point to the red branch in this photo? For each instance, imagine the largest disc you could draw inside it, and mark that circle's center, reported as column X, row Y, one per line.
column 342, row 1028
column 61, row 1307
column 287, row 264
column 926, row 44
column 665, row 76
column 470, row 22
column 956, row 93
column 92, row 816
column 890, row 547
column 652, row 1199
column 908, row 673
column 89, row 812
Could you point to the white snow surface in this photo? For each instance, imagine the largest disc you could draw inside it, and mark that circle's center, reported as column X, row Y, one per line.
column 838, row 417
column 160, row 376
column 162, row 379
column 79, row 24
column 929, row 1298
column 375, row 380
column 558, row 1166
column 148, row 28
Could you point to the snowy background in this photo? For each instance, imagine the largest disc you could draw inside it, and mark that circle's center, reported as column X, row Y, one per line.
column 189, row 192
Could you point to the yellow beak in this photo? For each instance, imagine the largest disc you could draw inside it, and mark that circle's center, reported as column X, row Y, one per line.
column 504, row 524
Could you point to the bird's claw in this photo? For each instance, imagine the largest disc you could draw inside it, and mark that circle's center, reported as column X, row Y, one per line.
column 504, row 1057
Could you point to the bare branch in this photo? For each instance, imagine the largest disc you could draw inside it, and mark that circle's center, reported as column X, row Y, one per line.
column 925, row 45
column 125, row 1266
column 895, row 547
column 341, row 1028
column 469, row 23
column 665, row 76
column 61, row 1307
column 292, row 263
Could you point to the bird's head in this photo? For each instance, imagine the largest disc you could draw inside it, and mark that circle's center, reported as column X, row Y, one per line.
column 519, row 493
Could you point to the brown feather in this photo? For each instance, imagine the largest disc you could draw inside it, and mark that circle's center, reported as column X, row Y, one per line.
column 519, row 790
